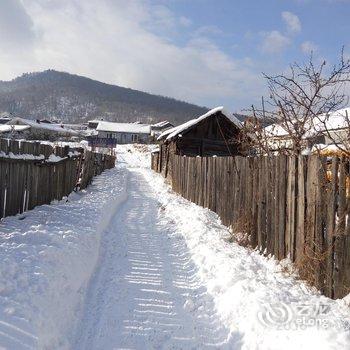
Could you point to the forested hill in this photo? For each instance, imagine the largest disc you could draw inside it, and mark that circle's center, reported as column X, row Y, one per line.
column 72, row 98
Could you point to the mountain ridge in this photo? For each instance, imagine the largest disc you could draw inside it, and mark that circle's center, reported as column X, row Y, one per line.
column 73, row 98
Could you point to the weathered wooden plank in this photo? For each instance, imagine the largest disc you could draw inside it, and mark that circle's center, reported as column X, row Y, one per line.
column 339, row 244
column 300, row 225
column 282, row 206
column 320, row 224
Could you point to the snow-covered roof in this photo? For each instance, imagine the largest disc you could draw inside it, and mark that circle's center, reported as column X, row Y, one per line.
column 333, row 121
column 276, row 130
column 124, row 127
column 166, row 132
column 8, row 128
column 161, row 124
column 44, row 126
column 173, row 132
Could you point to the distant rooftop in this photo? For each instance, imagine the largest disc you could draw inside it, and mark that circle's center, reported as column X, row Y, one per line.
column 8, row 128
column 124, row 127
column 46, row 126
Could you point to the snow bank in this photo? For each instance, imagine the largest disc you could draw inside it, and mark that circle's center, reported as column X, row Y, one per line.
column 51, row 159
column 51, row 254
column 48, row 256
column 256, row 300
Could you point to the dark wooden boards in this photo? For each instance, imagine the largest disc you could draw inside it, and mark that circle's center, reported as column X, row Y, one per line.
column 294, row 207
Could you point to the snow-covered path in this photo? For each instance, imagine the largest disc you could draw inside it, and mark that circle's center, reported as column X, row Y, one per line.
column 144, row 290
column 128, row 264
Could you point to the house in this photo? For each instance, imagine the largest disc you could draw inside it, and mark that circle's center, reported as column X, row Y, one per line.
column 5, row 117
column 215, row 133
column 35, row 130
column 326, row 129
column 109, row 134
column 13, row 130
column 158, row 128
column 277, row 137
column 92, row 124
column 335, row 127
column 4, row 120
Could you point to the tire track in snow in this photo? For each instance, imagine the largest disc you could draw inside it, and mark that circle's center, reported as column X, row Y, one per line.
column 145, row 293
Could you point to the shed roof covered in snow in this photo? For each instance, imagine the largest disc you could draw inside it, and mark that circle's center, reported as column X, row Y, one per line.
column 161, row 124
column 177, row 130
column 124, row 127
column 216, row 132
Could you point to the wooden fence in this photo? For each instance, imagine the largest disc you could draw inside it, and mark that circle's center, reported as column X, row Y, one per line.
column 288, row 206
column 33, row 174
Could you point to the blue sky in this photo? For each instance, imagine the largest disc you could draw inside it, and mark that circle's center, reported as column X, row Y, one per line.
column 202, row 51
column 239, row 27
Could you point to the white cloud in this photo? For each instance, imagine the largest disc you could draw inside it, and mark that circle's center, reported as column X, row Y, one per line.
column 274, row 42
column 292, row 22
column 308, row 46
column 123, row 43
column 184, row 21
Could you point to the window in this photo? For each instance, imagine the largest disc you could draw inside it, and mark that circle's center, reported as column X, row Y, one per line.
column 134, row 137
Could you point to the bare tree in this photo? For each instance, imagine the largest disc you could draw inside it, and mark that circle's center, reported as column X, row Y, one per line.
column 301, row 101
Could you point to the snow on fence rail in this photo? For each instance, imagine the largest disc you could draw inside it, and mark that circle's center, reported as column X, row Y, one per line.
column 288, row 206
column 33, row 174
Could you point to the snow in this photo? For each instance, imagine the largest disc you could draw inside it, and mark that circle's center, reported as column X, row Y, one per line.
column 171, row 133
column 48, row 255
column 339, row 119
column 8, row 128
column 336, row 120
column 123, row 127
column 43, row 126
column 51, row 159
column 166, row 132
column 276, row 130
column 21, row 156
column 130, row 264
column 161, row 124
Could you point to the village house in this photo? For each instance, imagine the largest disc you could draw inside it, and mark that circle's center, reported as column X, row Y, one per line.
column 5, row 117
column 35, row 130
column 4, row 120
column 216, row 133
column 158, row 128
column 92, row 124
column 13, row 131
column 324, row 130
column 109, row 134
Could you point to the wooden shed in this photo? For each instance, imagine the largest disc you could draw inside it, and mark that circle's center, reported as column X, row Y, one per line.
column 216, row 133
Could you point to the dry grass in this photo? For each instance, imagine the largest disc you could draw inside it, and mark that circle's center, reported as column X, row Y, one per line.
column 141, row 147
column 312, row 267
column 240, row 232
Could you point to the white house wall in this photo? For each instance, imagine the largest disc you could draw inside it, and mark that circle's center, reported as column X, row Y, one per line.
column 124, row 138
